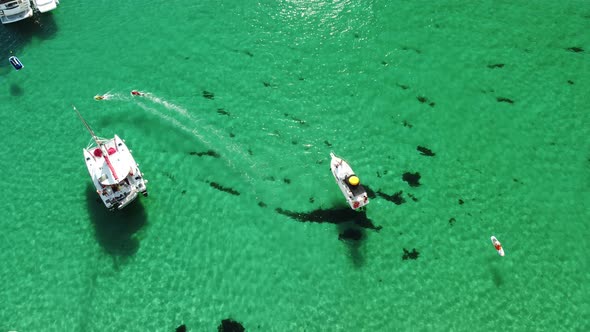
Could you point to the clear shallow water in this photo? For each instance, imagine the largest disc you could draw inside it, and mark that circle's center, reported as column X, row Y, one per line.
column 292, row 81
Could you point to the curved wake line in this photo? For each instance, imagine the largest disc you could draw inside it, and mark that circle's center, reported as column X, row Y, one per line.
column 244, row 166
column 194, row 133
column 210, row 131
column 173, row 107
column 173, row 121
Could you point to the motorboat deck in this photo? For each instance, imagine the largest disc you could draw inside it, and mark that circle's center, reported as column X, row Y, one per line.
column 349, row 183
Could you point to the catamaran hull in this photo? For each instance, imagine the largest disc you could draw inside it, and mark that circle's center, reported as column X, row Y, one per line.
column 116, row 177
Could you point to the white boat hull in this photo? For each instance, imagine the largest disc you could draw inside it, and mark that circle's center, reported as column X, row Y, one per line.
column 49, row 6
column 43, row 6
column 14, row 11
column 114, row 173
column 356, row 196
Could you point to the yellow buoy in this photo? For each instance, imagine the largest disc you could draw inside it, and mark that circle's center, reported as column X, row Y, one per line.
column 353, row 180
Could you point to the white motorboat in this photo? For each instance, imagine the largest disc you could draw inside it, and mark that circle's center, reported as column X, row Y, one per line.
column 14, row 10
column 44, row 6
column 114, row 172
column 349, row 183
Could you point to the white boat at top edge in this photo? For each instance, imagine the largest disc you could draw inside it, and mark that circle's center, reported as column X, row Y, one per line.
column 113, row 170
column 349, row 183
column 43, row 6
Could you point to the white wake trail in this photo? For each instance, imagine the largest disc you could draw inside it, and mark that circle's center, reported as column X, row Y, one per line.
column 174, row 122
column 209, row 130
column 171, row 106
column 229, row 150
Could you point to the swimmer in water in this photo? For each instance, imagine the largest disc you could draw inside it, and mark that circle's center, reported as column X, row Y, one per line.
column 137, row 93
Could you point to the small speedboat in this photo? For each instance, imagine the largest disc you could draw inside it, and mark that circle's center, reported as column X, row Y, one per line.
column 15, row 62
column 497, row 245
column 349, row 183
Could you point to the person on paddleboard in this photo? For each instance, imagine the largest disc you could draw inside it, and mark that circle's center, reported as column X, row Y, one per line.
column 497, row 246
column 105, row 96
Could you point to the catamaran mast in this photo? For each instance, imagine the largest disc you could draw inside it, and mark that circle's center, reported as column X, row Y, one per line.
column 94, row 137
column 105, row 153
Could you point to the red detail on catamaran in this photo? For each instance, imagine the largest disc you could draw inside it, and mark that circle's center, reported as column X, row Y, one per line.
column 106, row 158
column 97, row 153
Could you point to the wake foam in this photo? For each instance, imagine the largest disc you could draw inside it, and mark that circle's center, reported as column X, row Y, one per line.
column 177, row 124
column 233, row 154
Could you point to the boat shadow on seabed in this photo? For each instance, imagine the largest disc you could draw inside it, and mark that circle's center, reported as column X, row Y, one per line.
column 351, row 226
column 352, row 236
column 116, row 231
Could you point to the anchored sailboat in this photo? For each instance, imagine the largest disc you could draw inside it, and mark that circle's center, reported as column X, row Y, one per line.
column 113, row 171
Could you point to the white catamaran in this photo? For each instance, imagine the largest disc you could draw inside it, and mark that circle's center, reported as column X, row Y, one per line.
column 114, row 172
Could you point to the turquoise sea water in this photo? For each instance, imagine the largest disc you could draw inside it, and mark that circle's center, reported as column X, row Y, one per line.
column 498, row 90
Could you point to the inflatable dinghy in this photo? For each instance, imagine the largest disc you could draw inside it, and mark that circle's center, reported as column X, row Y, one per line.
column 15, row 62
